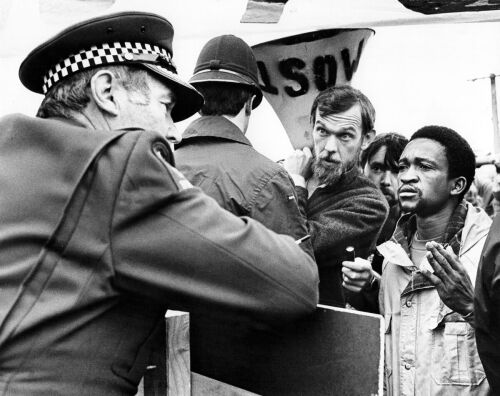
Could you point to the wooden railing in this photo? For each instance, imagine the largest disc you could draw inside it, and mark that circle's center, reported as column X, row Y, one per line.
column 334, row 351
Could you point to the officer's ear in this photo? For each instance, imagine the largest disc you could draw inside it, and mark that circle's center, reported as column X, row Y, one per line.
column 458, row 185
column 103, row 87
column 367, row 138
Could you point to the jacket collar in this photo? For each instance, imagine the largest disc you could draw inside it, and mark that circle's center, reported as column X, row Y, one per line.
column 407, row 226
column 213, row 127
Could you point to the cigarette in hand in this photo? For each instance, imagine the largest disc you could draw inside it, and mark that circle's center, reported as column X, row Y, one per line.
column 350, row 250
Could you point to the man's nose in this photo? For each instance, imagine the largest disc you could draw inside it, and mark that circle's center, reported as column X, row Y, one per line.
column 386, row 178
column 173, row 135
column 331, row 144
column 408, row 175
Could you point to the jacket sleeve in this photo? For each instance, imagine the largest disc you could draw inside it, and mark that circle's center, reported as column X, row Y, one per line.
column 487, row 306
column 349, row 221
column 176, row 245
column 276, row 206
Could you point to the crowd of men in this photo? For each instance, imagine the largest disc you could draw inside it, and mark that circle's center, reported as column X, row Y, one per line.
column 102, row 230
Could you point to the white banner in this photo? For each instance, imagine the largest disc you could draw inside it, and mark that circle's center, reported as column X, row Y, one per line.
column 293, row 70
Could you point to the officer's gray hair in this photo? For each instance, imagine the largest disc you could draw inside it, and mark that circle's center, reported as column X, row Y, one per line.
column 72, row 94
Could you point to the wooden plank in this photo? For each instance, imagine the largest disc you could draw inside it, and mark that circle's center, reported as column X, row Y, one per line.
column 334, row 351
column 178, row 361
column 204, row 386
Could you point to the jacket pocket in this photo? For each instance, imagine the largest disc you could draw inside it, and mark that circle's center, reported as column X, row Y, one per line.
column 455, row 360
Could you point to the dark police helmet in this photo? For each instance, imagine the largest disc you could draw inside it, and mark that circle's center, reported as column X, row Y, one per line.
column 228, row 59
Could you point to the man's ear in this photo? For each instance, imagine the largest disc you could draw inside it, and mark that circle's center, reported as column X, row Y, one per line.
column 367, row 138
column 102, row 89
column 458, row 185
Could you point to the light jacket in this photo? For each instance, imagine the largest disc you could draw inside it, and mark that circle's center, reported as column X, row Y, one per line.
column 100, row 235
column 429, row 349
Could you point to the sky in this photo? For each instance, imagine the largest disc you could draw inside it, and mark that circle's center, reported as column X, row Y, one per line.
column 415, row 75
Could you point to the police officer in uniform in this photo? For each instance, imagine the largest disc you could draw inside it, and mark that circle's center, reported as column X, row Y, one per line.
column 101, row 235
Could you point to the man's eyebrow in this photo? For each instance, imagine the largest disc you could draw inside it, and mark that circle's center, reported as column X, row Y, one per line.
column 350, row 129
column 418, row 160
column 423, row 159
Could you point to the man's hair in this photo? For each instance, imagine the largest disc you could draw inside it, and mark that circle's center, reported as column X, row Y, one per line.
column 223, row 98
column 72, row 94
column 334, row 100
column 394, row 143
column 459, row 154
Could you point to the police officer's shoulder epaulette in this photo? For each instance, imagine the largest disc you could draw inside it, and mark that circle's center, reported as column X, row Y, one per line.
column 162, row 153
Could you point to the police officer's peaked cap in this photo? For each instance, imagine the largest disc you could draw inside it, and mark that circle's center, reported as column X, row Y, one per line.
column 125, row 38
column 228, row 59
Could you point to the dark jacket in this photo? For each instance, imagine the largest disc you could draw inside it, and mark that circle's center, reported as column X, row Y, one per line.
column 487, row 307
column 349, row 213
column 215, row 156
column 99, row 238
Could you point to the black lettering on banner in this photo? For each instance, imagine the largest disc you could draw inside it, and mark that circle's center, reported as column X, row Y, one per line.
column 264, row 75
column 322, row 66
column 350, row 68
column 287, row 68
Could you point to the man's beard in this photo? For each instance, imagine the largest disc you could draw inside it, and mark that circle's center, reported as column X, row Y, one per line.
column 390, row 196
column 330, row 171
column 327, row 172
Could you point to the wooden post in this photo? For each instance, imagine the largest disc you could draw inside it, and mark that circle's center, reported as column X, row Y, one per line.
column 178, row 362
column 494, row 112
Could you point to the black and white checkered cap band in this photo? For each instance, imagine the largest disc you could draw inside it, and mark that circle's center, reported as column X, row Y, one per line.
column 103, row 55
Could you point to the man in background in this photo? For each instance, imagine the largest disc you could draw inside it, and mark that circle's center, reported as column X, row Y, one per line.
column 216, row 156
column 379, row 162
column 343, row 208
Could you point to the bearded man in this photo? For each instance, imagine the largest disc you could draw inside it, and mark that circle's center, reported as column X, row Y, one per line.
column 343, row 208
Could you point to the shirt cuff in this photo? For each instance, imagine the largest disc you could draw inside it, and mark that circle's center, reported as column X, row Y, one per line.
column 298, row 180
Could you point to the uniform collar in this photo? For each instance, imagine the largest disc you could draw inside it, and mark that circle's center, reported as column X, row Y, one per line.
column 213, row 127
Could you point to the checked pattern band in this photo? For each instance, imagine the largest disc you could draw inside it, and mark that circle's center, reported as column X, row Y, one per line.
column 102, row 55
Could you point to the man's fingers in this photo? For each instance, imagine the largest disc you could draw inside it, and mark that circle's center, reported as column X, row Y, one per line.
column 439, row 272
column 307, row 152
column 438, row 253
column 355, row 289
column 358, row 265
column 352, row 283
column 432, row 278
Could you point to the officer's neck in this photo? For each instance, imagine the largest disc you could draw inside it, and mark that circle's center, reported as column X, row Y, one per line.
column 93, row 118
column 241, row 120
